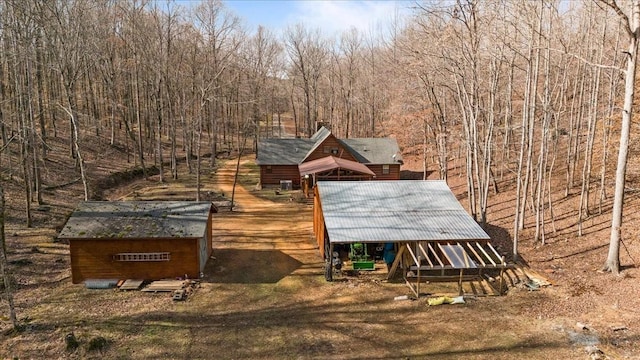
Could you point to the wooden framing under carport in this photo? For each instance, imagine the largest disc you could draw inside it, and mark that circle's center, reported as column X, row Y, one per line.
column 431, row 260
column 436, row 239
column 331, row 168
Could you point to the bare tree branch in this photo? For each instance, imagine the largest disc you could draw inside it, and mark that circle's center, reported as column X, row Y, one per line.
column 613, row 5
column 590, row 63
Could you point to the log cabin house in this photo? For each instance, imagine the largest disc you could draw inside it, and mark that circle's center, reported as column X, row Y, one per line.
column 287, row 162
column 145, row 240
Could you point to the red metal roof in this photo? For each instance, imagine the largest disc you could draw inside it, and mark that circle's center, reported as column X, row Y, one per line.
column 330, row 163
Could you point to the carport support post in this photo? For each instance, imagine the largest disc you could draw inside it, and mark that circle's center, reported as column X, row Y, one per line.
column 396, row 261
column 328, row 275
column 418, row 279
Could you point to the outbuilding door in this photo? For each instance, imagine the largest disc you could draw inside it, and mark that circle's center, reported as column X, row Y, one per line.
column 202, row 248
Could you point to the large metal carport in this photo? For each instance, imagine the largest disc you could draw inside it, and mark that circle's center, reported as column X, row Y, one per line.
column 434, row 235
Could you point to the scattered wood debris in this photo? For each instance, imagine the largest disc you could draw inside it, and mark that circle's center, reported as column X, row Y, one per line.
column 180, row 289
column 131, row 284
column 165, row 286
column 619, row 328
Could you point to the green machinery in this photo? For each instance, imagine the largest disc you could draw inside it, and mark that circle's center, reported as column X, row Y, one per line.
column 360, row 259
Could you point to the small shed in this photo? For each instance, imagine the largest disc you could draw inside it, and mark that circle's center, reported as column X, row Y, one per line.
column 139, row 239
column 434, row 236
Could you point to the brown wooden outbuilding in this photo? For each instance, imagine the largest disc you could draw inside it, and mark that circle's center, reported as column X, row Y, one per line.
column 139, row 239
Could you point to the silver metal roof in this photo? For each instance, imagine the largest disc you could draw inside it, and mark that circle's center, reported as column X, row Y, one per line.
column 137, row 219
column 392, row 211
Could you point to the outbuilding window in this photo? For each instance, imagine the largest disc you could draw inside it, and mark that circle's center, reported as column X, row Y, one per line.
column 385, row 169
column 269, row 169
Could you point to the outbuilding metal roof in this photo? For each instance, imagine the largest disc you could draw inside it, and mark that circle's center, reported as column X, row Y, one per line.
column 137, row 219
column 394, row 211
column 331, row 162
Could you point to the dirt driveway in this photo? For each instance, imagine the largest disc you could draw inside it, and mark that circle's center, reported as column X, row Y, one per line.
column 261, row 241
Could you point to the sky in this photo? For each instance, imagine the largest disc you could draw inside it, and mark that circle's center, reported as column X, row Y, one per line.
column 331, row 16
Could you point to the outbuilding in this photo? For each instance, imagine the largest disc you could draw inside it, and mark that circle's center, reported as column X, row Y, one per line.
column 145, row 240
column 434, row 238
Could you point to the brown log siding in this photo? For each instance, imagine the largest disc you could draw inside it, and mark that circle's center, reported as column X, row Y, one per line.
column 279, row 172
column 394, row 172
column 93, row 259
column 329, row 143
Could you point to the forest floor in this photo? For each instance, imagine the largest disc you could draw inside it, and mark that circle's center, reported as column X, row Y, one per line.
column 264, row 295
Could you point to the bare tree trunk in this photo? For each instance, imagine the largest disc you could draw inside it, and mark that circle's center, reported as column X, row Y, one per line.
column 632, row 26
column 574, row 131
column 37, row 178
column 544, row 135
column 6, row 275
column 606, row 124
column 159, row 110
column 138, row 118
column 24, row 136
column 235, row 177
column 76, row 146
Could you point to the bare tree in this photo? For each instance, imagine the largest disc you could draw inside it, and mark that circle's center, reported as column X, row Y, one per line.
column 631, row 26
column 307, row 52
column 6, row 275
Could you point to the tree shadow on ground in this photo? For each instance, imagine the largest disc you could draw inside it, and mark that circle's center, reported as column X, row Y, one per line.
column 501, row 240
column 237, row 266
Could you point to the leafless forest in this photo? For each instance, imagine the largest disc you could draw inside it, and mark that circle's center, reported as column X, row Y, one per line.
column 529, row 91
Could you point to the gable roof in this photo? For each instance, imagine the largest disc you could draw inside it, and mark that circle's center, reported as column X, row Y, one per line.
column 374, row 150
column 283, row 151
column 137, row 219
column 331, row 162
column 393, row 211
column 294, row 151
column 319, row 137
column 321, row 134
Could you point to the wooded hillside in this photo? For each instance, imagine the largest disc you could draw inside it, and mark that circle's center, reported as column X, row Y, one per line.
column 520, row 94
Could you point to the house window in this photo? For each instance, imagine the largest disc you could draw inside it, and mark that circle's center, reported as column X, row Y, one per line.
column 385, row 169
column 136, row 257
column 269, row 169
column 331, row 150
